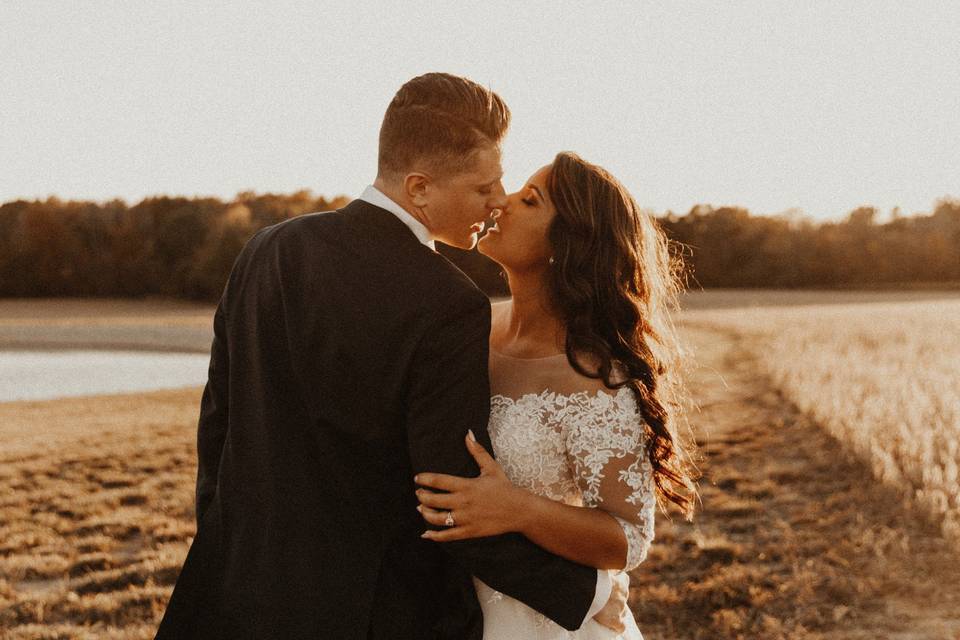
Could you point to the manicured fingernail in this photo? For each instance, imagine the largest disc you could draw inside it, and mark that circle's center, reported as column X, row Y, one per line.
column 425, row 534
column 416, row 479
column 419, row 508
column 470, row 433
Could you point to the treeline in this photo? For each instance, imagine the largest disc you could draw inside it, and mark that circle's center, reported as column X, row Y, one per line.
column 727, row 247
column 185, row 247
column 179, row 247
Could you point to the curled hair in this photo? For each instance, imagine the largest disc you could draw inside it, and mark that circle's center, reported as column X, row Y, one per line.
column 613, row 283
column 437, row 122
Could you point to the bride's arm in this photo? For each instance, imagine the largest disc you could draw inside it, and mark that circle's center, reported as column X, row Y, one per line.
column 612, row 532
column 586, row 535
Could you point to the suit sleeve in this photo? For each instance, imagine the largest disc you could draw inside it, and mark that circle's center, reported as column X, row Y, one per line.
column 212, row 425
column 450, row 393
column 214, row 404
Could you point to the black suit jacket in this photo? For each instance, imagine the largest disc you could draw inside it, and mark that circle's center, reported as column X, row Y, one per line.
column 347, row 357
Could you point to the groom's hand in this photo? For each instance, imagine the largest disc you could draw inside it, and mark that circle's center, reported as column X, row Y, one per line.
column 615, row 613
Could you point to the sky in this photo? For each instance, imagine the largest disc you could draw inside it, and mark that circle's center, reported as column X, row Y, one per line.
column 817, row 106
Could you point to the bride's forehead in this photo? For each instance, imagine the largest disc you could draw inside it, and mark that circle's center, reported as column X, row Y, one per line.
column 540, row 177
column 542, row 173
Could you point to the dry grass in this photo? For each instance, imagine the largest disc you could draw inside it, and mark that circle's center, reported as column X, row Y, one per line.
column 96, row 513
column 882, row 378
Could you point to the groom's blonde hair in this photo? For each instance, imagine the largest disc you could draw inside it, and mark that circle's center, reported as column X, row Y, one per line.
column 436, row 122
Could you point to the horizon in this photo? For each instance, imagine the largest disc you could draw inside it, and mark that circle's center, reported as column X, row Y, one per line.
column 768, row 107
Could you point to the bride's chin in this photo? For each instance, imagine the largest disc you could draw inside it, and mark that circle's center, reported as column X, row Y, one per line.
column 483, row 246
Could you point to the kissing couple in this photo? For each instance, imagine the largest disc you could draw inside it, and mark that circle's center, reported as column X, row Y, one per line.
column 383, row 455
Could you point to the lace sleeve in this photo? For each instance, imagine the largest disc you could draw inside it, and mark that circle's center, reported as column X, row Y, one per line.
column 606, row 449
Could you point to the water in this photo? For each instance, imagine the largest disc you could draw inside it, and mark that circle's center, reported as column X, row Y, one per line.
column 38, row 375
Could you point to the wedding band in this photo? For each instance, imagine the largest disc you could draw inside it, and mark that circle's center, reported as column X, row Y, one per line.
column 449, row 521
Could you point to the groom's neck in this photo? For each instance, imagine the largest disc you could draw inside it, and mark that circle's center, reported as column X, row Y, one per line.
column 395, row 193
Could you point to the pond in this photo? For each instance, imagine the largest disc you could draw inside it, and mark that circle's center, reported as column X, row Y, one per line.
column 39, row 375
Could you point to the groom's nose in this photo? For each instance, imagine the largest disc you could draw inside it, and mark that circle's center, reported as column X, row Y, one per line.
column 499, row 198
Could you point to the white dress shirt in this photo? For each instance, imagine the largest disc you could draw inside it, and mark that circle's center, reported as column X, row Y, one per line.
column 377, row 198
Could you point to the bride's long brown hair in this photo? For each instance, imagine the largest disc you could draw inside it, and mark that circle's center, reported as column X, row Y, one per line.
column 613, row 282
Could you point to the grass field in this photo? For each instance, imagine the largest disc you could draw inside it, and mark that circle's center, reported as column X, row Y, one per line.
column 795, row 537
column 882, row 378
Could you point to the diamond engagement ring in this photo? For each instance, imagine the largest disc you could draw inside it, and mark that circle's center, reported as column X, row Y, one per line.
column 449, row 521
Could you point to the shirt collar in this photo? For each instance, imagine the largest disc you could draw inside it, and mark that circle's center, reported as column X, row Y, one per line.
column 379, row 199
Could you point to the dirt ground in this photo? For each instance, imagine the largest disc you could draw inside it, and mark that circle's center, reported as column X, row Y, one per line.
column 792, row 540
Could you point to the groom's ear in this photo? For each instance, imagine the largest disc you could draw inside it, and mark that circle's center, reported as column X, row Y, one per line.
column 415, row 187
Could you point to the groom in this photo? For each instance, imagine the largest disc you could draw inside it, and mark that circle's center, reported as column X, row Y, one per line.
column 348, row 356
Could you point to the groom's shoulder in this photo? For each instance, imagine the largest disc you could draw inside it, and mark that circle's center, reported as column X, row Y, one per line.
column 442, row 272
column 303, row 225
column 301, row 236
column 357, row 228
column 345, row 237
column 446, row 291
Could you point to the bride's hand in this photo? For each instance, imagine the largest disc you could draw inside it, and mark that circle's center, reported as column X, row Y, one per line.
column 483, row 506
column 615, row 614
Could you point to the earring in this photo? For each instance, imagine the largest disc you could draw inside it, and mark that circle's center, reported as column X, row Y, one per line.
column 551, row 260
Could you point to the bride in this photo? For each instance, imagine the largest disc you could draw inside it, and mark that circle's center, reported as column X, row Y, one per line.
column 580, row 364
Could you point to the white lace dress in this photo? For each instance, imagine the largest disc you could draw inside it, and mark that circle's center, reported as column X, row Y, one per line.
column 566, row 437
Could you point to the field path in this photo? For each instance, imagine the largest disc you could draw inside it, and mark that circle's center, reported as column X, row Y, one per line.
column 793, row 538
